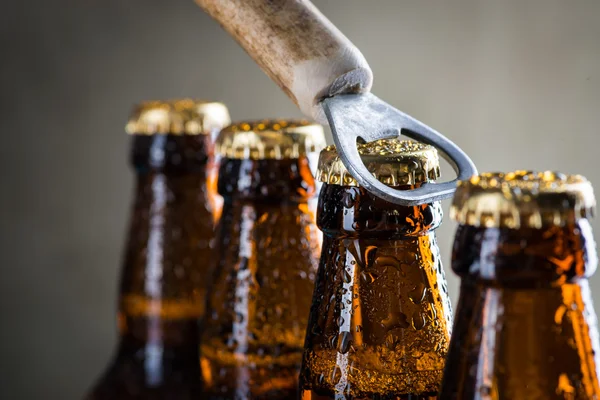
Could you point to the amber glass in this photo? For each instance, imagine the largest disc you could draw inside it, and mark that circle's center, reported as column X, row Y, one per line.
column 525, row 326
column 380, row 319
column 267, row 252
column 165, row 269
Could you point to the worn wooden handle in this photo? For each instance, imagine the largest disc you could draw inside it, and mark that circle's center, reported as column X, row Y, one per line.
column 297, row 46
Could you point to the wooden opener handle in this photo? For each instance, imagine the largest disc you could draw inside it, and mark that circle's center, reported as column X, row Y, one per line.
column 297, row 46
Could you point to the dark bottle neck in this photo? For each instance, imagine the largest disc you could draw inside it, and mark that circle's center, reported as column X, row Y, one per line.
column 171, row 154
column 168, row 249
column 525, row 258
column 266, row 181
column 355, row 212
column 525, row 324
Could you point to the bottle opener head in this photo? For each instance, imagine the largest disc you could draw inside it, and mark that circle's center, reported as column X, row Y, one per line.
column 354, row 117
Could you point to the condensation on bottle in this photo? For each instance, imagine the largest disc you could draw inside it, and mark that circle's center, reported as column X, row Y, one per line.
column 380, row 318
column 525, row 325
column 164, row 273
column 267, row 250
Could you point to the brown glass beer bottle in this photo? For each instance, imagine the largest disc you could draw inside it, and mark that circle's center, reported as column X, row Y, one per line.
column 267, row 252
column 162, row 291
column 525, row 326
column 380, row 319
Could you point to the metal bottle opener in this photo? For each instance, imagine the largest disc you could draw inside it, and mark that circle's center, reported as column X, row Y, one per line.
column 330, row 81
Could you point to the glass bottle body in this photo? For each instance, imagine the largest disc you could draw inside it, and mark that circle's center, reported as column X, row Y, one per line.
column 267, row 252
column 380, row 319
column 525, row 323
column 162, row 293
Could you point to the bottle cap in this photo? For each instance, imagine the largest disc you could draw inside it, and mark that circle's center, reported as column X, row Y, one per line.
column 391, row 161
column 270, row 139
column 523, row 199
column 177, row 117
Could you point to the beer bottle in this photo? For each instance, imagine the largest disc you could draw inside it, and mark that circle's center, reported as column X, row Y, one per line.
column 380, row 319
column 267, row 253
column 163, row 279
column 525, row 326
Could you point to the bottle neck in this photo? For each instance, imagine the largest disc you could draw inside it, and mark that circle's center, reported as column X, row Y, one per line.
column 168, row 250
column 354, row 212
column 171, row 154
column 525, row 324
column 266, row 181
column 525, row 258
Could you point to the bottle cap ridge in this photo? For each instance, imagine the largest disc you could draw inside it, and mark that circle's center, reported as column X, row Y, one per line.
column 391, row 161
column 270, row 139
column 523, row 199
column 177, row 117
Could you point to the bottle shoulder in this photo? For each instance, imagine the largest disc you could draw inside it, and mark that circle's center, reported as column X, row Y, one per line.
column 381, row 316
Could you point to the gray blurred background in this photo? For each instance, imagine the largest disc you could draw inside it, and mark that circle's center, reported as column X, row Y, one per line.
column 515, row 83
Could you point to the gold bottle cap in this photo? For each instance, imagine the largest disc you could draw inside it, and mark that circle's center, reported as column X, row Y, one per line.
column 177, row 117
column 523, row 199
column 270, row 139
column 391, row 161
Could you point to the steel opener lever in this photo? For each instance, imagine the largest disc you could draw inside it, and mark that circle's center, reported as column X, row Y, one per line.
column 329, row 80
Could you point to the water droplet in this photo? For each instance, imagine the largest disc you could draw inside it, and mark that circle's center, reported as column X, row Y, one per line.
column 432, row 313
column 333, row 341
column 370, row 255
column 386, row 261
column 347, row 277
column 239, row 317
column 348, row 199
column 560, row 314
column 418, row 321
column 336, row 374
column 390, row 343
column 353, row 246
column 395, row 320
column 368, row 277
column 417, row 295
column 344, row 342
column 371, row 224
column 340, row 321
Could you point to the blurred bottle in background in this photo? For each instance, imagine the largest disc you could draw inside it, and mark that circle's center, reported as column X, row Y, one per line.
column 165, row 269
column 525, row 325
column 380, row 319
column 267, row 251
